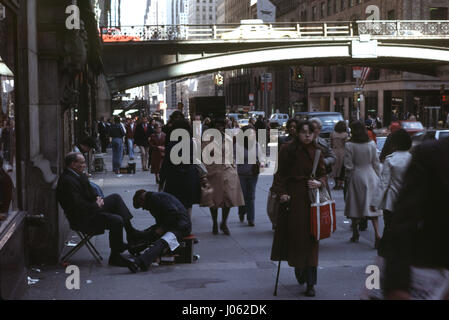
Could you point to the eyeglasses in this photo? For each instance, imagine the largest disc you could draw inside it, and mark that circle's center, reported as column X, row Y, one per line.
column 306, row 133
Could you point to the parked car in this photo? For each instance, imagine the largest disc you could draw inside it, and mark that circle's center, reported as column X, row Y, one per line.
column 329, row 120
column 278, row 120
column 256, row 29
column 412, row 127
column 236, row 116
column 243, row 122
column 256, row 114
column 419, row 137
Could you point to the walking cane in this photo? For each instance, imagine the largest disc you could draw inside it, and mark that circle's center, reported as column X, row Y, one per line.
column 279, row 264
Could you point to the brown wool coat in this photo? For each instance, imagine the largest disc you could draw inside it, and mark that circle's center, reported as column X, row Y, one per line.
column 156, row 155
column 292, row 241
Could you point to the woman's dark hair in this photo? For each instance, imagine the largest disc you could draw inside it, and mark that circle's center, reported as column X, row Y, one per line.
column 401, row 140
column 341, row 127
column 290, row 121
column 359, row 133
column 296, row 142
column 301, row 124
column 116, row 119
column 182, row 124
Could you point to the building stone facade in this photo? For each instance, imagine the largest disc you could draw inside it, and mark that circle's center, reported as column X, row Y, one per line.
column 387, row 93
column 60, row 90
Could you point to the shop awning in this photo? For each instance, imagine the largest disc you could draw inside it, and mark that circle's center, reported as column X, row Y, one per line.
column 4, row 70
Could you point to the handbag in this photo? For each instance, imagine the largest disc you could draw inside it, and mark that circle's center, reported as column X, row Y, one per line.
column 323, row 220
column 272, row 207
column 207, row 191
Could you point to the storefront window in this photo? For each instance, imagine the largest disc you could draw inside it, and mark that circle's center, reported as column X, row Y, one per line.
column 7, row 115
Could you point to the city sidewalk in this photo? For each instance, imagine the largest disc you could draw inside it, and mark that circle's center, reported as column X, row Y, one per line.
column 235, row 267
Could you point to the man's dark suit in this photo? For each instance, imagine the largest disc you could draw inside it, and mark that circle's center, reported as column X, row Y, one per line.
column 141, row 136
column 78, row 199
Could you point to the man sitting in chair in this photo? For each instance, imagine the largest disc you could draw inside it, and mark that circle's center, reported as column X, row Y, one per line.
column 172, row 224
column 90, row 213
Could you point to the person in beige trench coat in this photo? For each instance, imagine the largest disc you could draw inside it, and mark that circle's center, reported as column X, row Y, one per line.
column 292, row 238
column 362, row 169
column 224, row 180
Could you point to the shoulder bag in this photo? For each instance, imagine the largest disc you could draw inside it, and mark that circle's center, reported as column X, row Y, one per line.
column 322, row 209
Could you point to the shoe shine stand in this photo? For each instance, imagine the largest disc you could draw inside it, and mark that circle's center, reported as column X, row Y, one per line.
column 182, row 254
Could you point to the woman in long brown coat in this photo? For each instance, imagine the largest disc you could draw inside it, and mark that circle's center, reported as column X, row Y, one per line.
column 292, row 238
column 157, row 145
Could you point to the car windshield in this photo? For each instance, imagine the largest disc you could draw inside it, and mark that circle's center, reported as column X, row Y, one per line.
column 330, row 120
column 443, row 134
column 273, row 116
column 412, row 125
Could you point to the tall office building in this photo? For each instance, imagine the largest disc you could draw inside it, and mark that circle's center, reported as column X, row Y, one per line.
column 177, row 12
column 203, row 12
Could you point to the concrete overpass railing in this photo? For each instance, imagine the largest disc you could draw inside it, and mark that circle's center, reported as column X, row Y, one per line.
column 386, row 29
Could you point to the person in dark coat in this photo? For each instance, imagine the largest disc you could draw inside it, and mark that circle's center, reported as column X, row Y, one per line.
column 90, row 213
column 168, row 128
column 181, row 180
column 291, row 131
column 130, row 129
column 172, row 224
column 103, row 131
column 117, row 132
column 329, row 155
column 157, row 146
column 6, row 187
column 142, row 134
column 420, row 220
column 292, row 240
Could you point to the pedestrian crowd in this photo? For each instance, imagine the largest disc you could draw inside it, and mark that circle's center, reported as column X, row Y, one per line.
column 372, row 185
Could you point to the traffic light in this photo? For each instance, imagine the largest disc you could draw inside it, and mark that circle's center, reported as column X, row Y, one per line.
column 444, row 98
column 299, row 74
column 219, row 80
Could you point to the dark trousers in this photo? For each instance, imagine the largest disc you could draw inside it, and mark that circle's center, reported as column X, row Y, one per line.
column 104, row 143
column 114, row 217
column 382, row 250
column 155, row 250
column 248, row 184
column 309, row 275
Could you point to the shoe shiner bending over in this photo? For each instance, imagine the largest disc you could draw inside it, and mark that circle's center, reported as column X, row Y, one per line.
column 172, row 224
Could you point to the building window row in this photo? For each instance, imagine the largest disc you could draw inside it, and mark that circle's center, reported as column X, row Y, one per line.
column 330, row 8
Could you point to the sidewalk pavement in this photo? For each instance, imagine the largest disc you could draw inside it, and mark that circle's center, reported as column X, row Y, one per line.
column 235, row 267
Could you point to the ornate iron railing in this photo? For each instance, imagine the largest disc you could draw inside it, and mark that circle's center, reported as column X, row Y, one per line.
column 273, row 31
column 413, row 28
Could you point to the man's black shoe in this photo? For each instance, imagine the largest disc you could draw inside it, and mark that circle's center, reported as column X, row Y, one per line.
column 137, row 247
column 118, row 260
column 141, row 264
column 310, row 292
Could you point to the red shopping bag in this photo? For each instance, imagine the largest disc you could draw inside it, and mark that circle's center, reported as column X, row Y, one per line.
column 323, row 221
